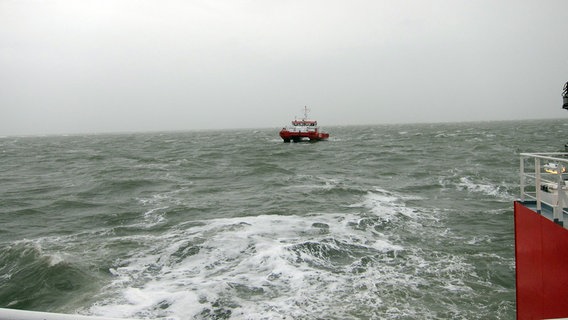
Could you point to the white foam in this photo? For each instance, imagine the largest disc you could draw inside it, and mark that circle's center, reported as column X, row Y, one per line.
column 489, row 189
column 236, row 259
column 388, row 205
column 55, row 259
column 278, row 266
column 308, row 183
column 157, row 206
column 52, row 258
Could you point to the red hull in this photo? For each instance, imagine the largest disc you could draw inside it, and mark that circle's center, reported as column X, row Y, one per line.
column 541, row 252
column 295, row 136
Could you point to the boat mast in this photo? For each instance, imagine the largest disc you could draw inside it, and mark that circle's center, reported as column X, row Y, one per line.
column 565, row 97
column 306, row 110
column 565, row 106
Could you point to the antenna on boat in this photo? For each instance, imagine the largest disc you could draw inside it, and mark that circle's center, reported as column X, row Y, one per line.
column 565, row 97
column 306, row 110
column 565, row 106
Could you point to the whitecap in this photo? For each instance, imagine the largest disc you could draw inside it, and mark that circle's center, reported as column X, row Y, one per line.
column 466, row 183
column 251, row 261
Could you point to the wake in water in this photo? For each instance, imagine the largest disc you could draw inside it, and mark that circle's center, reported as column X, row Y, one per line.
column 263, row 266
column 330, row 265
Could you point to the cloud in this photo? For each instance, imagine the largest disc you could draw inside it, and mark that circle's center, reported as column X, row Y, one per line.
column 92, row 66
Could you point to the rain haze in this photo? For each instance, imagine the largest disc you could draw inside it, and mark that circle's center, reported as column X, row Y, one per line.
column 89, row 66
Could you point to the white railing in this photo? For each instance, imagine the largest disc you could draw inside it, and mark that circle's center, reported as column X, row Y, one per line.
column 12, row 314
column 542, row 180
column 301, row 129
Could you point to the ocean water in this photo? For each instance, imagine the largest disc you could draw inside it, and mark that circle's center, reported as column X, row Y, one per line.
column 379, row 222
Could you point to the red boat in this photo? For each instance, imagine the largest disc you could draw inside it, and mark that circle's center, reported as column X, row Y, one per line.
column 541, row 236
column 302, row 130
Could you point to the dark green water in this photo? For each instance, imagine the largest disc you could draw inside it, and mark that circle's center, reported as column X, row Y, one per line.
column 379, row 222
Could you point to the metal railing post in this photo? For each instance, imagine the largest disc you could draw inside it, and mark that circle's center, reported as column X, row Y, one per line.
column 537, row 184
column 561, row 196
column 522, row 178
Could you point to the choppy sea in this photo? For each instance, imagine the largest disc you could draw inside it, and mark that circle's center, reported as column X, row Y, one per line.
column 409, row 221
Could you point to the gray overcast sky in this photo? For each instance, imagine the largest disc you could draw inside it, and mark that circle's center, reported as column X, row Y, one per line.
column 80, row 66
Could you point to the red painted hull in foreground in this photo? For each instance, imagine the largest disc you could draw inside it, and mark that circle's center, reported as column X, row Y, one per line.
column 541, row 237
column 541, row 252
